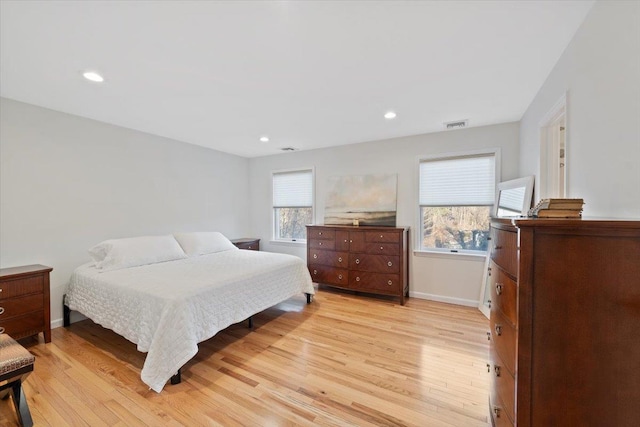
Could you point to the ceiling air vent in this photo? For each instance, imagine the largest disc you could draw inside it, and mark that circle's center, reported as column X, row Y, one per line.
column 288, row 149
column 459, row 124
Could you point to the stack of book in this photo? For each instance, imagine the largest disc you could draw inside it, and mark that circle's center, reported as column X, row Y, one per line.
column 557, row 208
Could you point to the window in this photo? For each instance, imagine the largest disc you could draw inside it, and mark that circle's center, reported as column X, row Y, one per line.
column 292, row 204
column 457, row 194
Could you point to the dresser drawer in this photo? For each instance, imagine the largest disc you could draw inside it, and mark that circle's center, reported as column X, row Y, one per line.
column 334, row 276
column 382, row 248
column 503, row 385
column 23, row 326
column 330, row 258
column 498, row 414
column 503, row 337
column 375, row 263
column 504, row 250
column 322, row 244
column 382, row 236
column 504, row 294
column 320, row 233
column 380, row 283
column 21, row 305
column 22, row 286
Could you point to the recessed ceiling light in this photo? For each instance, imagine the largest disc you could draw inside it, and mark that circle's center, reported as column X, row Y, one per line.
column 264, row 139
column 93, row 76
column 390, row 115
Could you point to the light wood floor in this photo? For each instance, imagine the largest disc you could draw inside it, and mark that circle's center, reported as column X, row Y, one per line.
column 343, row 360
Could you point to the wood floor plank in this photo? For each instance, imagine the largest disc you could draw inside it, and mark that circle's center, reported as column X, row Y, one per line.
column 343, row 360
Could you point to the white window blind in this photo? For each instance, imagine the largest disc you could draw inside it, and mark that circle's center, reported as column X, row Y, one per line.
column 458, row 181
column 293, row 189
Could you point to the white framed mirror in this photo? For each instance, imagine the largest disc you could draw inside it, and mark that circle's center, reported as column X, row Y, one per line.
column 513, row 200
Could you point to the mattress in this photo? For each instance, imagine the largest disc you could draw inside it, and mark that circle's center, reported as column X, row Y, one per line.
column 167, row 308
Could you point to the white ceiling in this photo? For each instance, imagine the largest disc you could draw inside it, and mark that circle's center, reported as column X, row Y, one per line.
column 307, row 74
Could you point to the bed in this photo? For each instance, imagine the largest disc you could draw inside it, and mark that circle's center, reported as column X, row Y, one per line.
column 167, row 307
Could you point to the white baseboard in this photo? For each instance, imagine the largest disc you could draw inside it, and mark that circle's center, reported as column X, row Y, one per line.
column 75, row 317
column 56, row 323
column 448, row 300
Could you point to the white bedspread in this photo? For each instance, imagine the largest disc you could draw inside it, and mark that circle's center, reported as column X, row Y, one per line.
column 168, row 308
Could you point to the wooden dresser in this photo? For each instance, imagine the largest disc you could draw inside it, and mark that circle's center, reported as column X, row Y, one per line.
column 24, row 301
column 365, row 259
column 247, row 243
column 565, row 323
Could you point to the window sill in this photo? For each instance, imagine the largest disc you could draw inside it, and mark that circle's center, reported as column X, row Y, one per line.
column 480, row 257
column 288, row 242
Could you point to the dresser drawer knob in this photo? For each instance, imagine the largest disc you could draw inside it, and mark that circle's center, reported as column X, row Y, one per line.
column 381, row 248
column 320, row 244
column 339, row 259
column 315, row 256
column 498, row 329
column 345, row 240
column 499, row 289
column 340, row 276
column 358, row 279
column 389, row 263
column 389, row 283
column 1, row 310
column 319, row 233
column 357, row 261
column 315, row 271
column 496, row 369
column 496, row 411
column 381, row 236
column 489, row 303
column 488, row 336
column 488, row 368
column 1, row 330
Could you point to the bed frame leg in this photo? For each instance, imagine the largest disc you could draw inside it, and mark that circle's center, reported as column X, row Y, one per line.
column 309, row 298
column 177, row 378
column 250, row 319
column 66, row 313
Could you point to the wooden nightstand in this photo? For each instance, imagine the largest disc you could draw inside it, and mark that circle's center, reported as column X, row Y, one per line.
column 24, row 301
column 247, row 243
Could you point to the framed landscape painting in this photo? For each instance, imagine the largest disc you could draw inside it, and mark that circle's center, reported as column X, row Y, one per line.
column 362, row 200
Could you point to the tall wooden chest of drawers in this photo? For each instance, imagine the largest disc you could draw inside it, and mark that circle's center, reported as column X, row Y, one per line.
column 366, row 259
column 24, row 301
column 565, row 323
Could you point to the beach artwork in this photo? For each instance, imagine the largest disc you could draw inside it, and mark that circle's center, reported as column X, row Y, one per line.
column 362, row 200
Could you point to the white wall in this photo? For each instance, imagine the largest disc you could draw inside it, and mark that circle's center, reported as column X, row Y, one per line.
column 450, row 277
column 600, row 72
column 67, row 183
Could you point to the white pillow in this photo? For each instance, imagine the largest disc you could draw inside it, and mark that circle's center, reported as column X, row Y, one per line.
column 115, row 254
column 203, row 242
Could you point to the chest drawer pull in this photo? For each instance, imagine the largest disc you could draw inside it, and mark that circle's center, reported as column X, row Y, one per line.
column 320, row 244
column 389, row 263
column 1, row 310
column 389, row 283
column 381, row 236
column 315, row 256
column 497, row 370
column 345, row 240
column 499, row 289
column 1, row 330
column 358, row 279
column 357, row 261
column 496, row 411
column 339, row 259
column 498, row 329
column 340, row 276
column 319, row 233
column 315, row 271
column 381, row 248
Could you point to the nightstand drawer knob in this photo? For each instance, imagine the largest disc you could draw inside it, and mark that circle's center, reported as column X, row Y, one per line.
column 250, row 246
column 1, row 310
column 357, row 279
column 340, row 259
column 389, row 283
column 357, row 261
column 315, row 271
column 496, row 411
column 340, row 276
column 320, row 233
column 381, row 248
column 499, row 289
column 497, row 370
column 320, row 244
column 315, row 256
column 389, row 263
column 498, row 329
column 1, row 330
